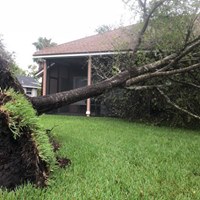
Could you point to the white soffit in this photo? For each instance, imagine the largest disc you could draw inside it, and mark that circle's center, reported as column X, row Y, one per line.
column 79, row 54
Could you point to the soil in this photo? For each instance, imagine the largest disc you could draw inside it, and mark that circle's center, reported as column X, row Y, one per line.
column 62, row 162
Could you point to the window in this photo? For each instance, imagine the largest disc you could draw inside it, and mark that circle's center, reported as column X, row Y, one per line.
column 29, row 91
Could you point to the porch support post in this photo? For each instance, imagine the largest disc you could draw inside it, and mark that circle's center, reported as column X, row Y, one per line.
column 44, row 81
column 89, row 81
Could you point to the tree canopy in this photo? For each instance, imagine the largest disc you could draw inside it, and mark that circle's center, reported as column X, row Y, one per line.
column 10, row 58
column 43, row 42
column 104, row 28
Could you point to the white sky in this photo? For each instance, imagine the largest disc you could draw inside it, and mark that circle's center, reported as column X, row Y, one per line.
column 22, row 22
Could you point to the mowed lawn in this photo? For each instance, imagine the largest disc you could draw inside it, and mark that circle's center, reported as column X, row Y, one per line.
column 116, row 159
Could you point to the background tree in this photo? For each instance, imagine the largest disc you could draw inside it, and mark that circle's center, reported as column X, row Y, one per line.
column 10, row 58
column 16, row 70
column 43, row 42
column 104, row 28
column 32, row 70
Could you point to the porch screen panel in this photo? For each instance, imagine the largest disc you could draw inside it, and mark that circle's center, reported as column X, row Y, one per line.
column 53, row 86
column 79, row 81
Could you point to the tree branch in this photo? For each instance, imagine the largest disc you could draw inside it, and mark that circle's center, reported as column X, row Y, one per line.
column 159, row 74
column 141, row 34
column 143, row 5
column 176, row 106
column 186, row 83
column 145, row 87
column 146, row 22
column 190, row 29
column 170, row 60
column 183, row 53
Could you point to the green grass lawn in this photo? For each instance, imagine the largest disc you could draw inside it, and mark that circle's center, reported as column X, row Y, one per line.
column 115, row 159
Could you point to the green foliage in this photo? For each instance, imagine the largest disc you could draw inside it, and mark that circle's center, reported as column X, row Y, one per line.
column 22, row 119
column 171, row 34
column 43, row 42
column 104, row 28
column 10, row 58
column 32, row 69
column 127, row 104
column 149, row 106
column 116, row 159
column 16, row 70
column 173, row 25
column 4, row 54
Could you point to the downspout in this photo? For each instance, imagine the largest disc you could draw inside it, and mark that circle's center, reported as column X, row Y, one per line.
column 89, row 81
column 44, row 81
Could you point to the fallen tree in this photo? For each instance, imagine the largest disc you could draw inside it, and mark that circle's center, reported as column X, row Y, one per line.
column 17, row 141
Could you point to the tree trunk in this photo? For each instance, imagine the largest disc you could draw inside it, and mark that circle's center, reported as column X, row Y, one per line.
column 47, row 103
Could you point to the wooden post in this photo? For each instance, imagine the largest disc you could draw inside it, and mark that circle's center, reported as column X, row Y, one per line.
column 89, row 81
column 44, row 81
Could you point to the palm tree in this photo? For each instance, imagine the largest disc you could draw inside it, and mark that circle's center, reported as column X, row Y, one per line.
column 43, row 42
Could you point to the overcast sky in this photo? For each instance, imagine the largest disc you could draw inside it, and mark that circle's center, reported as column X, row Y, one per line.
column 23, row 21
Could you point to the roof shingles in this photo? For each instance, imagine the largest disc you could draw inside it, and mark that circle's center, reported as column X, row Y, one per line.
column 29, row 82
column 118, row 39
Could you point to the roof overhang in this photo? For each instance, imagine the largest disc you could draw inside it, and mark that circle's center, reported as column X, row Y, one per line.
column 80, row 54
column 29, row 86
column 38, row 74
